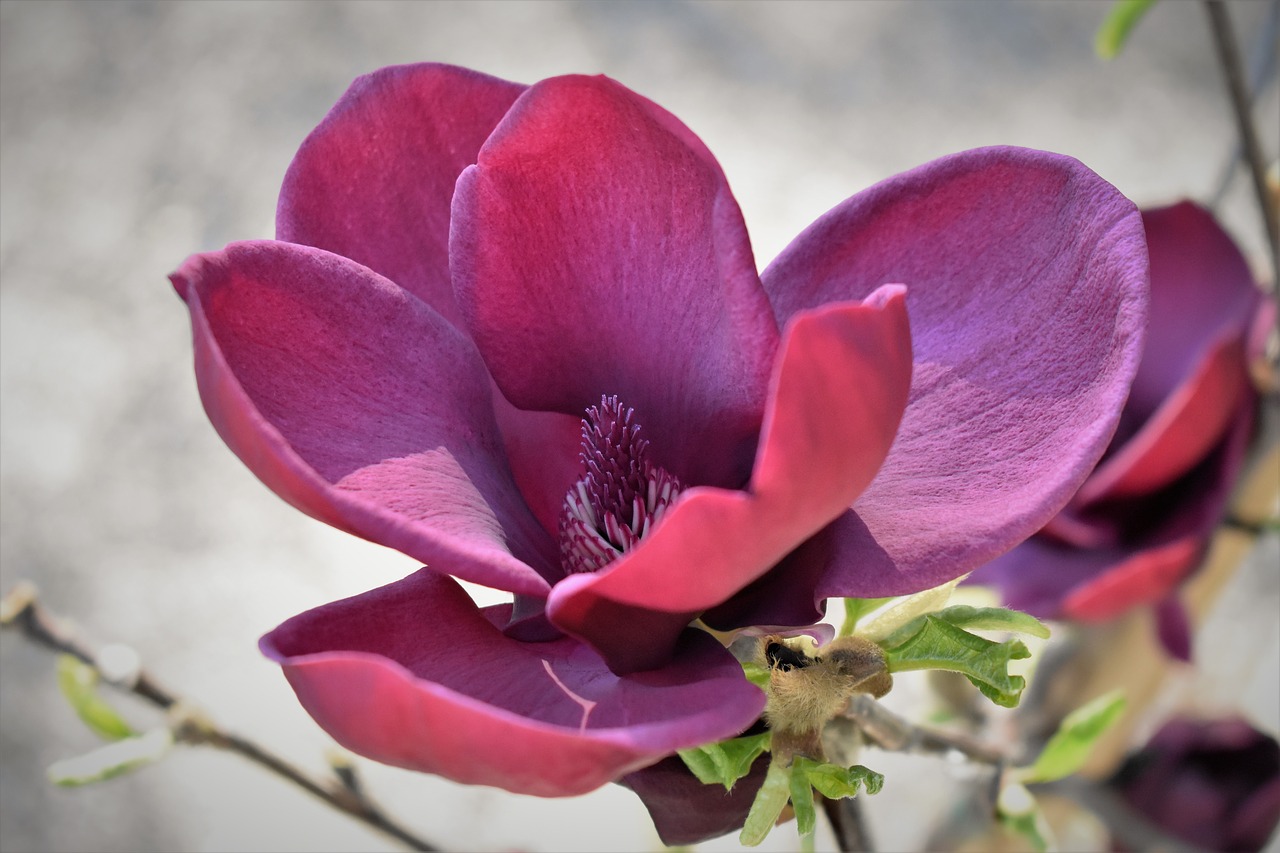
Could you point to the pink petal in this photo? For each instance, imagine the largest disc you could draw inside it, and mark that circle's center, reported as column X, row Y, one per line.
column 1159, row 540
column 1192, row 378
column 543, row 450
column 836, row 395
column 359, row 405
column 374, row 181
column 1143, row 577
column 1201, row 294
column 684, row 810
column 413, row 674
column 1027, row 301
column 789, row 593
column 1056, row 581
column 1173, row 627
column 597, row 250
column 1179, row 433
column 1256, row 817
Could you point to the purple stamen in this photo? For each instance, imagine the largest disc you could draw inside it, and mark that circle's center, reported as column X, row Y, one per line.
column 622, row 496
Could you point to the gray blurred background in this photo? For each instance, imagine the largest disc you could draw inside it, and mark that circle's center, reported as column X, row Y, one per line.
column 135, row 133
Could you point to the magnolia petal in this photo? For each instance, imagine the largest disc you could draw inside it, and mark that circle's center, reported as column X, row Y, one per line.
column 684, row 810
column 1201, row 294
column 543, row 449
column 1256, row 818
column 837, row 392
column 1028, row 300
column 1193, row 377
column 374, row 181
column 415, row 675
column 787, row 594
column 1161, row 539
column 1173, row 627
column 1096, row 530
column 1212, row 783
column 359, row 405
column 1142, row 577
column 596, row 250
column 1179, row 433
column 1054, row 581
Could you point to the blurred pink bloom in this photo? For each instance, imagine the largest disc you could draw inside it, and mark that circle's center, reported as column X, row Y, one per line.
column 1214, row 784
column 1143, row 519
column 466, row 266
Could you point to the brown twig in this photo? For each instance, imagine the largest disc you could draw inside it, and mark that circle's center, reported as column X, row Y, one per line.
column 894, row 733
column 1250, row 526
column 22, row 610
column 849, row 824
column 1261, row 65
column 1224, row 41
column 865, row 720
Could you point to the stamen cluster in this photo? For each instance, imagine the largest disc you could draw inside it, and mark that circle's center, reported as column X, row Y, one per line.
column 622, row 496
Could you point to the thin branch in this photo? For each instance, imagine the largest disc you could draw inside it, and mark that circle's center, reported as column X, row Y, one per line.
column 1262, row 64
column 1251, row 527
column 895, row 733
column 22, row 610
column 864, row 719
column 1224, row 40
column 849, row 824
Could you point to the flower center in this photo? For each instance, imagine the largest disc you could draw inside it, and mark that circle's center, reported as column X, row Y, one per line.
column 621, row 496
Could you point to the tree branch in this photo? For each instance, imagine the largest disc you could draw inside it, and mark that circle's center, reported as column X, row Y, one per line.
column 1224, row 41
column 894, row 733
column 849, row 824
column 21, row 609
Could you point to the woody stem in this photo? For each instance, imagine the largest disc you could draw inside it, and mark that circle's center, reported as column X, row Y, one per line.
column 20, row 609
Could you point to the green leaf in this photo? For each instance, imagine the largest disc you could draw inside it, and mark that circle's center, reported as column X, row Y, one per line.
column 796, row 784
column 757, row 674
column 802, row 800
column 855, row 609
column 107, row 762
column 1003, row 698
column 1069, row 748
column 79, row 684
column 770, row 800
column 1120, row 21
column 727, row 761
column 993, row 619
column 934, row 643
column 837, row 782
column 902, row 610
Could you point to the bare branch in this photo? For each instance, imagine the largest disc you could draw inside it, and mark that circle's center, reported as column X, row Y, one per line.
column 849, row 824
column 1224, row 41
column 21, row 609
column 894, row 733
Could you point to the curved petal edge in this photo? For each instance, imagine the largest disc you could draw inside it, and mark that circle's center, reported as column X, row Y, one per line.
column 415, row 675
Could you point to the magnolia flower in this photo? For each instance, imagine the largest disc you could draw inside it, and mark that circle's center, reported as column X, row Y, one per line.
column 1142, row 521
column 518, row 334
column 1214, row 784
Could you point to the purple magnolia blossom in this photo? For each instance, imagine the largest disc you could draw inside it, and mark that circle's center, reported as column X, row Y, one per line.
column 518, row 334
column 1214, row 784
column 1142, row 521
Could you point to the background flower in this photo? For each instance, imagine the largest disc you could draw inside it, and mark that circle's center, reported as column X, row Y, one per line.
column 1142, row 521
column 1213, row 783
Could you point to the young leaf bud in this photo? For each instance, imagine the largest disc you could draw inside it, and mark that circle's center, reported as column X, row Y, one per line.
column 806, row 690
